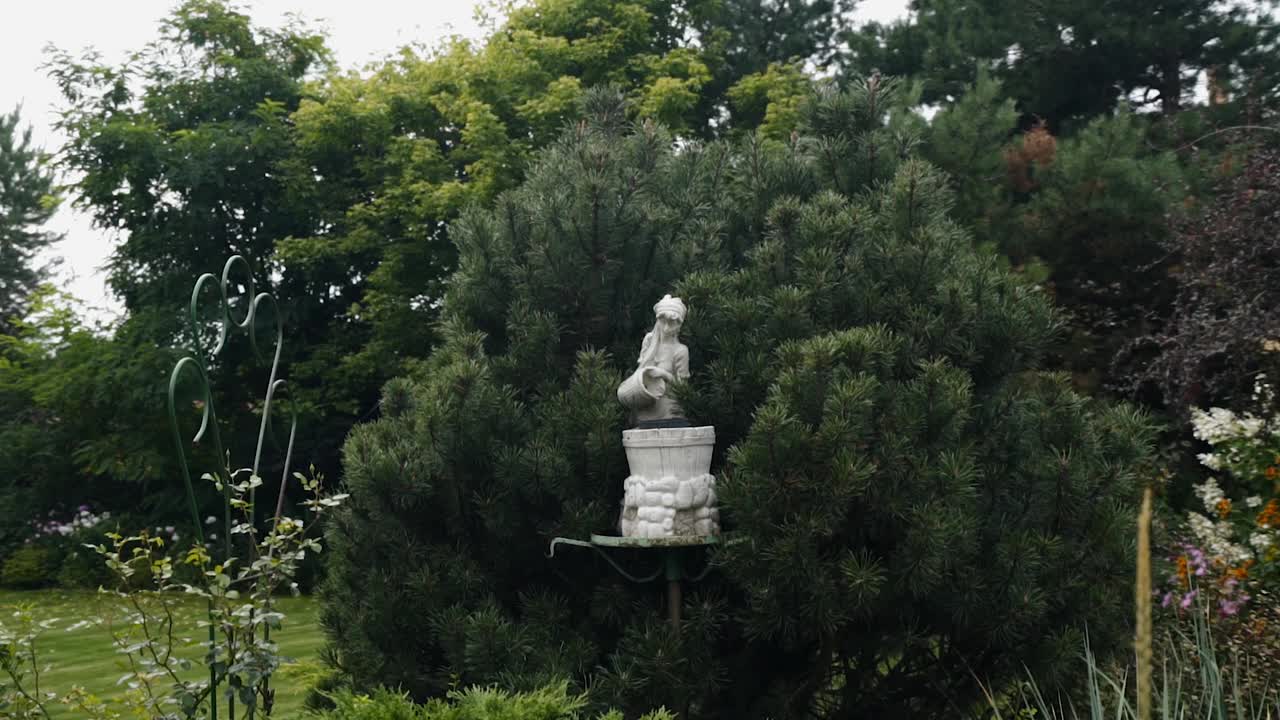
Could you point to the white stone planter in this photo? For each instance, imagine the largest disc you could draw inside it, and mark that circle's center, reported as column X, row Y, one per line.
column 671, row 491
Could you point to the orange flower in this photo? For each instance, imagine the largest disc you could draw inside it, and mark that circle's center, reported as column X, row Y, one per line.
column 1184, row 570
column 1242, row 572
column 1224, row 508
column 1270, row 515
column 1272, row 472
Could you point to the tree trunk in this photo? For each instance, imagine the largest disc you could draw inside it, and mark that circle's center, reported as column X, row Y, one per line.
column 1170, row 85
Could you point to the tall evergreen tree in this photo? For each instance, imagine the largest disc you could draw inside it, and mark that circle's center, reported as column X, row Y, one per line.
column 1068, row 62
column 27, row 202
column 1083, row 215
column 912, row 502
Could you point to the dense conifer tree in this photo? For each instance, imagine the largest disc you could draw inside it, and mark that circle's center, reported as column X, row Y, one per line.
column 913, row 502
column 27, row 202
column 1068, row 62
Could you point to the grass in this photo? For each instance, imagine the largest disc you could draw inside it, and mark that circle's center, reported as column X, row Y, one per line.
column 86, row 656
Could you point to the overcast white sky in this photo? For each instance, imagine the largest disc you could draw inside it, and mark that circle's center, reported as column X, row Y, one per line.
column 359, row 31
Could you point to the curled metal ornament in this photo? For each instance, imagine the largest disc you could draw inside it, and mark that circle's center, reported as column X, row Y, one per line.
column 196, row 365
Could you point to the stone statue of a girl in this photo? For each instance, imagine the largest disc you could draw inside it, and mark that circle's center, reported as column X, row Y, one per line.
column 663, row 360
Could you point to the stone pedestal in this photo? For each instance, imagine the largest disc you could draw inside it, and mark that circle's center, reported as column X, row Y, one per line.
column 671, row 491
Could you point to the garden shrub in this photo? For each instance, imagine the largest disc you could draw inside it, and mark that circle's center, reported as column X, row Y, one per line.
column 1224, row 324
column 553, row 702
column 30, row 566
column 1225, row 563
column 63, row 536
column 83, row 569
column 916, row 502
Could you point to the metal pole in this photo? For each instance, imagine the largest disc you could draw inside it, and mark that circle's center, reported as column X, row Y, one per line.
column 675, row 573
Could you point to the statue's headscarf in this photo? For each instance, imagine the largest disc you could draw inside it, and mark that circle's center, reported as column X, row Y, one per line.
column 667, row 306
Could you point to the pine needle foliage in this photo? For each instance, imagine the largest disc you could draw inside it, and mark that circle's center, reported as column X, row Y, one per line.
column 912, row 501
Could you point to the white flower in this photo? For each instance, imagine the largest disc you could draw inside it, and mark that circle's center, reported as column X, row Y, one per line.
column 1250, row 426
column 1260, row 541
column 1211, row 426
column 1210, row 494
column 1210, row 460
column 1202, row 528
column 1220, row 425
column 210, row 520
column 1216, row 538
column 1262, row 391
column 1253, row 501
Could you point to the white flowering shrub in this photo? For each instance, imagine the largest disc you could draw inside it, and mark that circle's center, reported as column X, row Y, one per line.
column 55, row 526
column 1246, row 452
column 1229, row 561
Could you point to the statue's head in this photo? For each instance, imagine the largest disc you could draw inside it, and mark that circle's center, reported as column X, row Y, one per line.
column 670, row 315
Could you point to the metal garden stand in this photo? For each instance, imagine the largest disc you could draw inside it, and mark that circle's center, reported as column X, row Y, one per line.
column 672, row 552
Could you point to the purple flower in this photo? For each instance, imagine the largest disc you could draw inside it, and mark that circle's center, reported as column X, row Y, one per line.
column 1187, row 599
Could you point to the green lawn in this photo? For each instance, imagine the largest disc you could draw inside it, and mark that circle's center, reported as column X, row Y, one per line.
column 86, row 656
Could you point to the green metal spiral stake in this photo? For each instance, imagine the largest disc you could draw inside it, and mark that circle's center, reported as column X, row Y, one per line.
column 196, row 363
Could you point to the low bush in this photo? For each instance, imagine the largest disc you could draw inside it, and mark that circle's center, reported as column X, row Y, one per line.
column 83, row 569
column 60, row 542
column 554, row 702
column 30, row 566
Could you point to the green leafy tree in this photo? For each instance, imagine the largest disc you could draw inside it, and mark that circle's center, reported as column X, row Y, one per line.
column 769, row 101
column 752, row 36
column 27, row 202
column 179, row 151
column 386, row 161
column 912, row 502
column 78, row 420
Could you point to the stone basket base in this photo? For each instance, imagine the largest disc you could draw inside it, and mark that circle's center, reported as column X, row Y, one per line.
column 670, row 507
